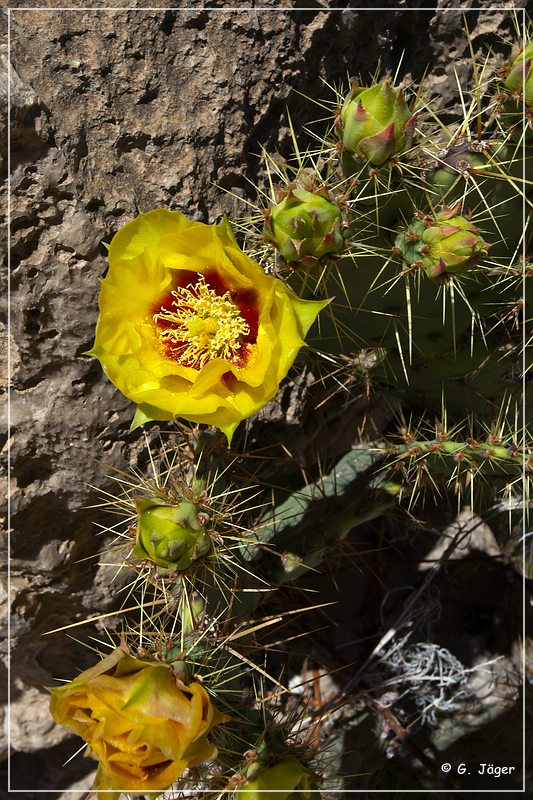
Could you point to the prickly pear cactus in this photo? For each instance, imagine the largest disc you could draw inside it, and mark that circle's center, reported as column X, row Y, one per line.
column 386, row 269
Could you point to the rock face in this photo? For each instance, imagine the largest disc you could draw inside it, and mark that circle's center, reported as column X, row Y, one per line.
column 113, row 112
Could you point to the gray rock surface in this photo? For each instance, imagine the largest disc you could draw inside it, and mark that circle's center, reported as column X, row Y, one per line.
column 112, row 112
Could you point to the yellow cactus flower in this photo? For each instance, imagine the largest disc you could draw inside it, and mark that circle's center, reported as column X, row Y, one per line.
column 143, row 725
column 190, row 326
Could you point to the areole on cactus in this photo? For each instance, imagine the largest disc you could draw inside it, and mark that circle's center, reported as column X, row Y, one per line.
column 375, row 122
column 464, row 157
column 444, row 243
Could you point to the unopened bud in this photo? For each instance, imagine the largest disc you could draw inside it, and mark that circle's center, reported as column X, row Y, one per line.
column 376, row 122
column 170, row 536
column 446, row 243
column 305, row 226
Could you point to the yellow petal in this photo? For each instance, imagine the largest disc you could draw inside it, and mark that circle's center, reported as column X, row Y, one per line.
column 145, row 231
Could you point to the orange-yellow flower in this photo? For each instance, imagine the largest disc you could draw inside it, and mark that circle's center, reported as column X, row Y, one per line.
column 143, row 725
column 190, row 326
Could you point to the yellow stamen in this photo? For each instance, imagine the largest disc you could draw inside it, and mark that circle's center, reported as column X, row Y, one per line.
column 204, row 325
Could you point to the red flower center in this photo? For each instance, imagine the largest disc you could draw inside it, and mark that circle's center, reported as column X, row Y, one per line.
column 203, row 318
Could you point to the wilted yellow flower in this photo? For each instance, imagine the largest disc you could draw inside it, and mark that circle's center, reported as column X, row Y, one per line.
column 143, row 725
column 190, row 326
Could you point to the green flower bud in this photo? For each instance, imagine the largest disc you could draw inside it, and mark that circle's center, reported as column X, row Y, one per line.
column 375, row 122
column 520, row 77
column 170, row 536
column 305, row 226
column 518, row 85
column 446, row 243
column 288, row 775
